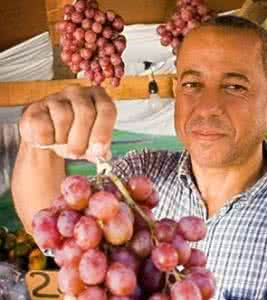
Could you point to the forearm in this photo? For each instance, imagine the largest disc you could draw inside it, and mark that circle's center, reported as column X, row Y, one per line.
column 36, row 181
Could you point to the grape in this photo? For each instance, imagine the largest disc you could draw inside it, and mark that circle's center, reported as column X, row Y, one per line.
column 166, row 39
column 69, row 281
column 192, row 228
column 80, row 6
column 86, row 54
column 115, row 82
column 121, row 280
column 126, row 257
column 204, row 283
column 202, row 9
column 90, row 36
column 185, row 290
column 165, row 230
column 182, row 248
column 109, row 49
column 76, row 17
column 101, row 41
column 115, row 59
column 139, row 221
column 79, row 34
column 107, row 32
column 125, row 209
column 45, row 230
column 99, row 77
column 153, row 200
column 70, row 27
column 61, row 26
column 93, row 4
column 119, row 229
column 165, row 257
column 140, row 187
column 68, row 9
column 93, row 293
column 59, row 204
column 87, row 24
column 119, row 45
column 120, row 298
column 161, row 29
column 104, row 205
column 69, row 254
column 197, row 259
column 118, row 24
column 108, row 71
column 141, row 243
column 97, row 27
column 76, row 191
column 66, row 222
column 159, row 296
column 87, row 232
column 109, row 186
column 100, row 17
column 90, row 13
column 151, row 279
column 76, row 58
column 66, row 56
column 110, row 15
column 93, row 267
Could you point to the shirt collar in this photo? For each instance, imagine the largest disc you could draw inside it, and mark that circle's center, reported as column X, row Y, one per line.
column 185, row 174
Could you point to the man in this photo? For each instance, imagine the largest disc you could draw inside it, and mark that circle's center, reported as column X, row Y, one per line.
column 220, row 116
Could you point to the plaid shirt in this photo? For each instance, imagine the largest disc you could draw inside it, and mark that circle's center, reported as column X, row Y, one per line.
column 236, row 243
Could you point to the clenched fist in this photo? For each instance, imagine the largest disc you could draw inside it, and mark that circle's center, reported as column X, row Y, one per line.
column 78, row 120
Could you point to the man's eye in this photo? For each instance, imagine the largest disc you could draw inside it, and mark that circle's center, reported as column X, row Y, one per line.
column 191, row 85
column 235, row 88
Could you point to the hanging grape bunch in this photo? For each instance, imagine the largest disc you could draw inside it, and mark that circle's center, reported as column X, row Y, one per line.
column 109, row 246
column 92, row 42
column 188, row 15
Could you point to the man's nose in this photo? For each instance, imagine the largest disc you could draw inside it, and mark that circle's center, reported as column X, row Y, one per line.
column 210, row 102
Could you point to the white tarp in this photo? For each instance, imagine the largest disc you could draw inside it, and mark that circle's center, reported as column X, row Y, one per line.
column 30, row 60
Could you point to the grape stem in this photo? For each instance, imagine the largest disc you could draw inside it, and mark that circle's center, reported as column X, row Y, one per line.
column 131, row 202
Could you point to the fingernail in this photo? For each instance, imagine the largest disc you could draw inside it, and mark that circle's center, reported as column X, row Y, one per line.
column 97, row 149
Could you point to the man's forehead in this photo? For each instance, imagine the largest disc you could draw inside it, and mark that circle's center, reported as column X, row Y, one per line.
column 221, row 45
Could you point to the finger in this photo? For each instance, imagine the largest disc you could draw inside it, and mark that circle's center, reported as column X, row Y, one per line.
column 84, row 117
column 62, row 116
column 36, row 126
column 101, row 134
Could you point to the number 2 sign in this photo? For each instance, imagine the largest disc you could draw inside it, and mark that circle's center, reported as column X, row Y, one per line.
column 43, row 285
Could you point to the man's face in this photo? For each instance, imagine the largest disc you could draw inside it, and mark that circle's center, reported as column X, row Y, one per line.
column 220, row 111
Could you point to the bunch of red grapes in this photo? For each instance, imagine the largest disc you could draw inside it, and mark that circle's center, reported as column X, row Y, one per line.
column 188, row 15
column 91, row 41
column 109, row 246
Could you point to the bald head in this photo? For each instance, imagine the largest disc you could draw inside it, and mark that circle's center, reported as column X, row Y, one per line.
column 231, row 26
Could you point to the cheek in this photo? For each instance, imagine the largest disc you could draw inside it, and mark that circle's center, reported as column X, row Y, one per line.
column 182, row 114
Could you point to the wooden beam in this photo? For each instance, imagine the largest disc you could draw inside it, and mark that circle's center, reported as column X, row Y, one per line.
column 132, row 87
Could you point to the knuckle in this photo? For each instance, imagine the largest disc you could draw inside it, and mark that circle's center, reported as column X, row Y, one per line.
column 77, row 149
column 108, row 109
column 73, row 88
column 86, row 111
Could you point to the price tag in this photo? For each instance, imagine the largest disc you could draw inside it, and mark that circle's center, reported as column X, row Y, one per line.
column 43, row 285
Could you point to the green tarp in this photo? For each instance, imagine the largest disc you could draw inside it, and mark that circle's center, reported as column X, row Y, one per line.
column 122, row 143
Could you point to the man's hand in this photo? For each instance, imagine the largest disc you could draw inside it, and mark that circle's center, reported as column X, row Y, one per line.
column 80, row 118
